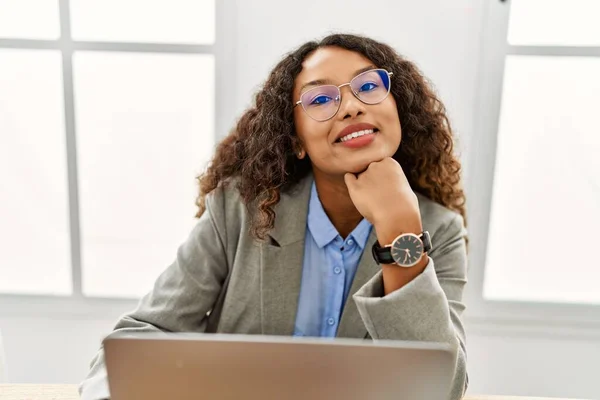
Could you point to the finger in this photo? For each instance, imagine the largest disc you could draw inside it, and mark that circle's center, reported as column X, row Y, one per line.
column 350, row 180
column 402, row 174
column 397, row 167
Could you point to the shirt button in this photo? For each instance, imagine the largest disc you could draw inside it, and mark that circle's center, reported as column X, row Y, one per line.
column 350, row 242
column 331, row 321
column 337, row 270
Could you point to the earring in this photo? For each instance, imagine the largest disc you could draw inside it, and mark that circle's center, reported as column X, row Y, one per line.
column 301, row 154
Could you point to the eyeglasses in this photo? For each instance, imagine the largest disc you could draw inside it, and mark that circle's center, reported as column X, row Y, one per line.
column 323, row 102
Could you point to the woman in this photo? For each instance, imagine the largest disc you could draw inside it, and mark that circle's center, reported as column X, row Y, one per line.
column 346, row 149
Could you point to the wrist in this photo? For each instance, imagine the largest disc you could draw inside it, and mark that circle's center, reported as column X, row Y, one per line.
column 389, row 229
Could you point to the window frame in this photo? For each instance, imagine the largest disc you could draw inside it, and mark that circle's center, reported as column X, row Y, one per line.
column 539, row 317
column 224, row 53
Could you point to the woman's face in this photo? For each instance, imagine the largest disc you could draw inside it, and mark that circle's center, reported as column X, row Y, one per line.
column 331, row 151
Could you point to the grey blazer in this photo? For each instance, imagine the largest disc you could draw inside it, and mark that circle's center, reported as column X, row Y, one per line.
column 223, row 280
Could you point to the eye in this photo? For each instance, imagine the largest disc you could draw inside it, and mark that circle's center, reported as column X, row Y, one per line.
column 367, row 87
column 321, row 100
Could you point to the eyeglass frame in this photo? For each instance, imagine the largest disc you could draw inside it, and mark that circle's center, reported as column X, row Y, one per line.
column 299, row 102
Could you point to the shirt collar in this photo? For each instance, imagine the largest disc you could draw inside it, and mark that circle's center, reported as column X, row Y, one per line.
column 361, row 233
column 321, row 228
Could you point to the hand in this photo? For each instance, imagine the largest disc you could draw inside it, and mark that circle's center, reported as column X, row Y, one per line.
column 384, row 197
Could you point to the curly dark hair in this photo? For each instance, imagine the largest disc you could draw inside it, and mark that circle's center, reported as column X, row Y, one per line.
column 259, row 153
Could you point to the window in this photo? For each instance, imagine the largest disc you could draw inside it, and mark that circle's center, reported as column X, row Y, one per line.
column 34, row 233
column 537, row 182
column 107, row 114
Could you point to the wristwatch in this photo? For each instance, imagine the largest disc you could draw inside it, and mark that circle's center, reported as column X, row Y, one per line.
column 406, row 250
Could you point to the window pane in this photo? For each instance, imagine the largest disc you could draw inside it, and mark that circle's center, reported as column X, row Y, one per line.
column 145, row 129
column 34, row 229
column 554, row 22
column 29, row 19
column 545, row 209
column 173, row 21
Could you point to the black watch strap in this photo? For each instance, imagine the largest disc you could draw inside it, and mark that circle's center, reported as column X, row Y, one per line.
column 383, row 255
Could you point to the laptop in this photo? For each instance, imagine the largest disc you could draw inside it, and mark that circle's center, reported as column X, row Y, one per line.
column 161, row 366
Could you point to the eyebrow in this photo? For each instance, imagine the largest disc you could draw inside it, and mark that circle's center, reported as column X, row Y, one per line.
column 318, row 82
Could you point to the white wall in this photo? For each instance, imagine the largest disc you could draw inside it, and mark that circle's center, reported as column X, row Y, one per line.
column 50, row 349
column 443, row 37
column 440, row 36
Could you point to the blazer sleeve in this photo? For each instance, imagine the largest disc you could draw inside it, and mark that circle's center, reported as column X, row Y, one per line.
column 428, row 308
column 182, row 296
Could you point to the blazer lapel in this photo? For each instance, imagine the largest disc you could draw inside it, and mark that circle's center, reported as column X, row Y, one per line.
column 282, row 256
column 351, row 324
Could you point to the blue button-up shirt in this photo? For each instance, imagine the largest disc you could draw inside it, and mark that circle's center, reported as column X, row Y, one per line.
column 328, row 270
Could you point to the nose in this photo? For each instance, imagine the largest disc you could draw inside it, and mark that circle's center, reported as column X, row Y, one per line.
column 350, row 106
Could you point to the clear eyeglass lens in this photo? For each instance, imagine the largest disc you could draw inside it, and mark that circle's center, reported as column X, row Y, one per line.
column 321, row 102
column 371, row 87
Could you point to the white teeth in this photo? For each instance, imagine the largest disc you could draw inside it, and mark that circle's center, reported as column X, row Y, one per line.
column 356, row 134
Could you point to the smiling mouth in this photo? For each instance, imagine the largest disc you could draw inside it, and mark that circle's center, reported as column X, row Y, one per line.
column 356, row 134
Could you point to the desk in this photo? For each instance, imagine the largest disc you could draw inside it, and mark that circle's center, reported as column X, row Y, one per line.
column 69, row 392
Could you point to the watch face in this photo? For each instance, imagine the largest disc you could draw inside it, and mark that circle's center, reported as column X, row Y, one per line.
column 407, row 250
